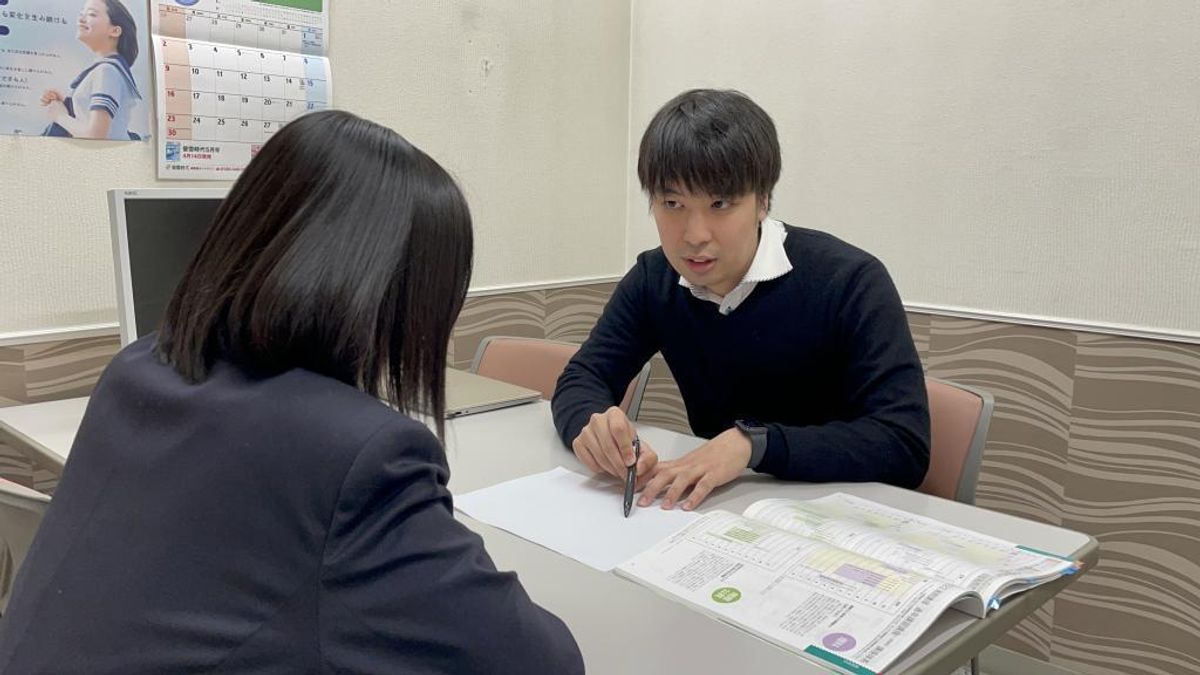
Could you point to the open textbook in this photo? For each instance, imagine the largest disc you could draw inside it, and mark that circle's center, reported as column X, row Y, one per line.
column 840, row 579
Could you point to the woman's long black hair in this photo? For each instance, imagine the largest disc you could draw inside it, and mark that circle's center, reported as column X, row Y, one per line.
column 341, row 249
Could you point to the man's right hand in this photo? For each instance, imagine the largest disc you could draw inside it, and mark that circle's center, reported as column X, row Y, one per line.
column 605, row 445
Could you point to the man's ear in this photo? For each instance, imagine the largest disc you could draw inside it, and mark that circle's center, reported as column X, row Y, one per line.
column 764, row 206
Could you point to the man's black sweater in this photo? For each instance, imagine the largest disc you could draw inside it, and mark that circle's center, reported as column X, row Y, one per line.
column 822, row 356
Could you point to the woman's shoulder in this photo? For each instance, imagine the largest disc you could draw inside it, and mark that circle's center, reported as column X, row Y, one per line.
column 315, row 415
column 337, row 414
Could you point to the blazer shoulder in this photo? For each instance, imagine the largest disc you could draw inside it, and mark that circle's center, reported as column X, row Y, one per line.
column 335, row 413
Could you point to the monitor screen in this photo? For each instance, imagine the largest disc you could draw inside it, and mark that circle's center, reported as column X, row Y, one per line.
column 154, row 239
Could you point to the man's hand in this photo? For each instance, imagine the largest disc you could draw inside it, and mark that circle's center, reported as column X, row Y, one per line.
column 605, row 445
column 704, row 469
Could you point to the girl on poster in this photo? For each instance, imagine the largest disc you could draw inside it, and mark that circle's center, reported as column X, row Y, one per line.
column 102, row 97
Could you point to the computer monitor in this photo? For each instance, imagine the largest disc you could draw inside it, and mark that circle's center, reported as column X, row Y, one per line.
column 155, row 234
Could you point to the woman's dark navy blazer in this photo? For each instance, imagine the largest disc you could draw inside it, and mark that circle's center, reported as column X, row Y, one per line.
column 262, row 524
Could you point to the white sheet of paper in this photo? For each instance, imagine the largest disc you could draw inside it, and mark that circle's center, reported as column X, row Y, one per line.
column 577, row 516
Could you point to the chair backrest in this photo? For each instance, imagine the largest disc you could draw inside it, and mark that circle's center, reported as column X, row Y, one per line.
column 21, row 512
column 959, row 417
column 536, row 364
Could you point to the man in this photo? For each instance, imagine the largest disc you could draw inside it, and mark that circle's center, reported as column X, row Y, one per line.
column 790, row 347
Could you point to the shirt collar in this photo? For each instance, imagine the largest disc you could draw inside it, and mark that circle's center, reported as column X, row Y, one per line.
column 770, row 260
column 118, row 62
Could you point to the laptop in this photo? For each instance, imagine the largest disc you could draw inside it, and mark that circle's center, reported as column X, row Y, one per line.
column 155, row 233
column 468, row 393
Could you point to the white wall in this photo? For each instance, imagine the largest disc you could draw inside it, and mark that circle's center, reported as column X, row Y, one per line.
column 526, row 103
column 1037, row 158
column 1006, row 156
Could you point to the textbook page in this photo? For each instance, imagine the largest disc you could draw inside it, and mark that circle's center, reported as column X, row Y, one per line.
column 832, row 605
column 991, row 567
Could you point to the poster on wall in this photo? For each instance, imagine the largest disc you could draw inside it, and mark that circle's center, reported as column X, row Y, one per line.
column 231, row 73
column 75, row 68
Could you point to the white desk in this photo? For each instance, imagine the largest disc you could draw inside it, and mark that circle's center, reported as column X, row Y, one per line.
column 624, row 628
column 46, row 430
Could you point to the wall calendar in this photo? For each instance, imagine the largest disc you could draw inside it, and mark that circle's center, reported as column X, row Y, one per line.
column 230, row 73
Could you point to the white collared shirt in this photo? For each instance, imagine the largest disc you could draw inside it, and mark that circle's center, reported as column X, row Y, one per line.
column 770, row 262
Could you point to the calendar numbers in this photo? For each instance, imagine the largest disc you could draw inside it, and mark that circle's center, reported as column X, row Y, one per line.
column 220, row 101
column 262, row 88
column 231, row 74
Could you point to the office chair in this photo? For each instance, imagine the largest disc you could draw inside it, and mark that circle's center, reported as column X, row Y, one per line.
column 536, row 364
column 21, row 511
column 959, row 417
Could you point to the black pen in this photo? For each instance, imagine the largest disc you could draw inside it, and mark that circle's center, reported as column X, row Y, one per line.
column 631, row 475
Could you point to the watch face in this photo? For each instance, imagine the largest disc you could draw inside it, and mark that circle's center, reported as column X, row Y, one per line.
column 751, row 426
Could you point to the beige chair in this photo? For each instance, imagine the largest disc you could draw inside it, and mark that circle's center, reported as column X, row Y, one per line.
column 536, row 364
column 21, row 511
column 959, row 417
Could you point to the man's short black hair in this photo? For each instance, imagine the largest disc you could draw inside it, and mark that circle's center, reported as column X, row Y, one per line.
column 710, row 141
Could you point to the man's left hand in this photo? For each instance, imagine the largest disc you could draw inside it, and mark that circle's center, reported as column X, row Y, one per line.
column 703, row 470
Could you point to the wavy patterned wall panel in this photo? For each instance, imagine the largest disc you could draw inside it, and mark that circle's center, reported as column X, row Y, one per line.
column 1028, row 371
column 919, row 325
column 520, row 314
column 15, row 466
column 571, row 312
column 1133, row 482
column 1099, row 434
column 662, row 405
column 12, row 375
column 55, row 370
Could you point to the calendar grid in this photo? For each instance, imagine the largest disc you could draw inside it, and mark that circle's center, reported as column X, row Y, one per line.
column 218, row 103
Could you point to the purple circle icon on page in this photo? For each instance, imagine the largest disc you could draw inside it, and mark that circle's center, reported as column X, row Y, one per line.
column 839, row 642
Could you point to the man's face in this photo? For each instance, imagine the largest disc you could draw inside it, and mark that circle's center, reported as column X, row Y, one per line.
column 709, row 239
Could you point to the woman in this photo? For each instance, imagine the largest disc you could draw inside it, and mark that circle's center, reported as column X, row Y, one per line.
column 104, row 94
column 238, row 499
